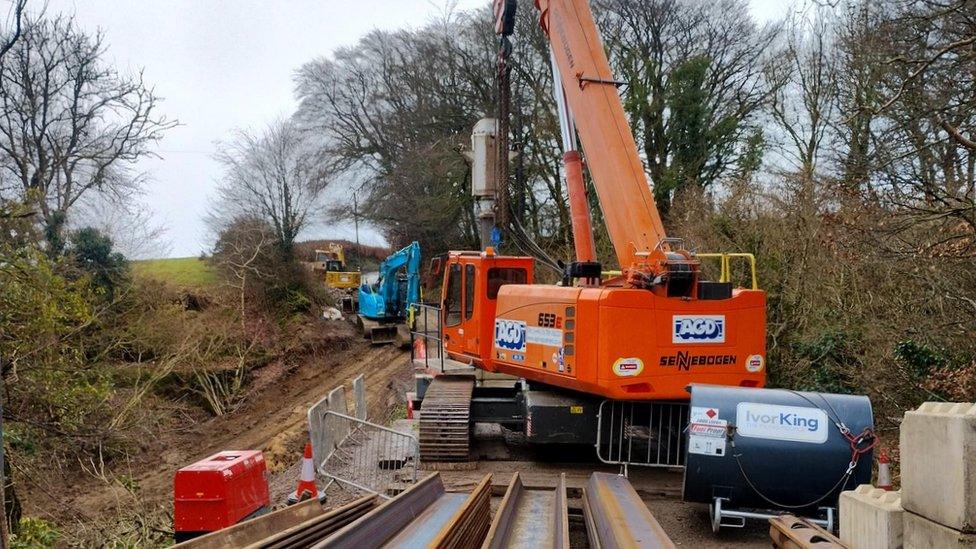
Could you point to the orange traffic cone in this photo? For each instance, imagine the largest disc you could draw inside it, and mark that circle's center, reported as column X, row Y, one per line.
column 884, row 473
column 419, row 349
column 306, row 482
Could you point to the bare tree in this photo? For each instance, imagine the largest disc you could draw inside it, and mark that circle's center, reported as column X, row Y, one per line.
column 12, row 36
column 130, row 224
column 394, row 113
column 695, row 75
column 275, row 176
column 9, row 40
column 70, row 124
column 908, row 77
column 805, row 107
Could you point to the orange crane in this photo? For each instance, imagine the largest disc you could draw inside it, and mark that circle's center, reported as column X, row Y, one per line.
column 644, row 334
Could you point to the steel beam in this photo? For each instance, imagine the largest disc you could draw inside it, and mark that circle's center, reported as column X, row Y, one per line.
column 616, row 516
column 425, row 515
column 530, row 519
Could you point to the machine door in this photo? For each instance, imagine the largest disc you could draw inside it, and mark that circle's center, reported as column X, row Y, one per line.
column 452, row 308
column 460, row 318
column 470, row 318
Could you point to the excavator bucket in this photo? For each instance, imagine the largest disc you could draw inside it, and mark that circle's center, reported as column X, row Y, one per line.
column 383, row 334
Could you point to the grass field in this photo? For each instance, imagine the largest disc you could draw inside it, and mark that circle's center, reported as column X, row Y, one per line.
column 183, row 271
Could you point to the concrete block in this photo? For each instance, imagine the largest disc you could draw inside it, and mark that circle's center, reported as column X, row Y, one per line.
column 938, row 463
column 871, row 518
column 922, row 533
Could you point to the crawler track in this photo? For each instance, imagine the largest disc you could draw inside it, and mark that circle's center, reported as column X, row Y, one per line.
column 445, row 419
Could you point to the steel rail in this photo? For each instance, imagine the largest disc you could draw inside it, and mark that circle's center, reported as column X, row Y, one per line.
column 425, row 515
column 289, row 527
column 616, row 517
column 530, row 519
column 307, row 533
column 791, row 532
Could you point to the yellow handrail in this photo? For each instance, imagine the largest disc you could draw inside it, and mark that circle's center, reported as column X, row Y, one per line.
column 725, row 269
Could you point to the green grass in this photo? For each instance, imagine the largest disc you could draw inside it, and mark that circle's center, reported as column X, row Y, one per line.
column 182, row 271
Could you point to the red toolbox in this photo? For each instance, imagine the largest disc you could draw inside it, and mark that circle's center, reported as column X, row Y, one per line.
column 219, row 491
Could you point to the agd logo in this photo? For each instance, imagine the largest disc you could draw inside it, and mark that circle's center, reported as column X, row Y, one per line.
column 698, row 329
column 510, row 334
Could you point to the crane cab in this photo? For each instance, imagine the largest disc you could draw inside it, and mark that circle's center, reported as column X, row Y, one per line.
column 469, row 296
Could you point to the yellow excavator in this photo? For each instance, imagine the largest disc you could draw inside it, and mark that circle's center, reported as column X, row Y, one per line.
column 332, row 263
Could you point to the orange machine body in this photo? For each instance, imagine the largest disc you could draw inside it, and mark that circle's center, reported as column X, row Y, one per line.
column 616, row 342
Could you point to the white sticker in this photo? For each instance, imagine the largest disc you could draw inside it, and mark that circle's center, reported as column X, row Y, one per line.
column 628, row 367
column 715, row 428
column 754, row 363
column 703, row 412
column 559, row 359
column 544, row 336
column 792, row 423
column 509, row 334
column 698, row 329
column 706, row 446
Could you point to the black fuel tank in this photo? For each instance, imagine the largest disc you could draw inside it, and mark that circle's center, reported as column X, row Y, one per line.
column 773, row 448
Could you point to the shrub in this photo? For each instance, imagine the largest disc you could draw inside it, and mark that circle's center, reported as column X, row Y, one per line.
column 93, row 254
column 33, row 533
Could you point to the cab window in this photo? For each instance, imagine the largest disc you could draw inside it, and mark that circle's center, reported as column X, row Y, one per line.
column 500, row 276
column 452, row 303
column 469, row 271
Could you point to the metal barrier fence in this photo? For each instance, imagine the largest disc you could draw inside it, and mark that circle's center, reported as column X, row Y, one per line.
column 647, row 434
column 325, row 437
column 420, row 329
column 370, row 457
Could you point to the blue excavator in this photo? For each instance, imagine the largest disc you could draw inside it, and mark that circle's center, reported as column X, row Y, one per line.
column 384, row 306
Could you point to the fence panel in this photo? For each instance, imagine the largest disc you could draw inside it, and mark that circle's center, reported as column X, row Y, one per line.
column 426, row 327
column 359, row 393
column 648, row 434
column 326, row 433
column 372, row 458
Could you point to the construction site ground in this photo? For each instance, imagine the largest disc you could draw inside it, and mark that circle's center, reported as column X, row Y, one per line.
column 274, row 420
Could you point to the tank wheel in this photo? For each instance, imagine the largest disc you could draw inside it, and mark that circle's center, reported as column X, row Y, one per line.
column 715, row 513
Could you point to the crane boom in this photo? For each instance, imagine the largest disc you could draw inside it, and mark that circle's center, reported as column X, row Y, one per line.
column 622, row 188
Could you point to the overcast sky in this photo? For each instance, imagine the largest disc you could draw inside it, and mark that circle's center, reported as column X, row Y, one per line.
column 226, row 64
